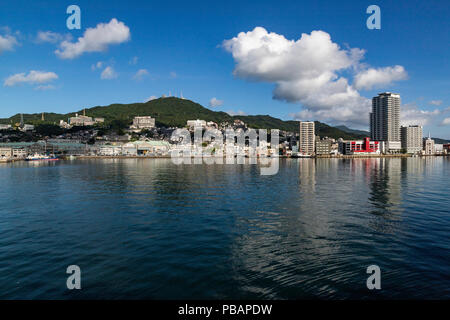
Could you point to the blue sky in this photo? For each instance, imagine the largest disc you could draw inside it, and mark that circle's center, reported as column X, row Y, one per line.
column 180, row 45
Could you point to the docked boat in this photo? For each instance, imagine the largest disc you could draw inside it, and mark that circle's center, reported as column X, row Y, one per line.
column 300, row 155
column 41, row 157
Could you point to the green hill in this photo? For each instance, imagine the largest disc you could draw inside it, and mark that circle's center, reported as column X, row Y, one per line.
column 353, row 131
column 174, row 112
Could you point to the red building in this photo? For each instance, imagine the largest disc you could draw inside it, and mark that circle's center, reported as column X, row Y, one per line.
column 447, row 147
column 361, row 147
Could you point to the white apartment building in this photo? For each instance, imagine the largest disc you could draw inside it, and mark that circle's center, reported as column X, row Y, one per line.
column 412, row 138
column 5, row 153
column 145, row 122
column 307, row 137
column 192, row 124
column 5, row 126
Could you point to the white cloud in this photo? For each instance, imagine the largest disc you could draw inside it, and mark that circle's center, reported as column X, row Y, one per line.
column 108, row 74
column 370, row 78
column 446, row 122
column 95, row 39
column 238, row 113
column 214, row 102
column 304, row 71
column 7, row 42
column 33, row 77
column 140, row 74
column 51, row 37
column 173, row 75
column 436, row 102
column 413, row 115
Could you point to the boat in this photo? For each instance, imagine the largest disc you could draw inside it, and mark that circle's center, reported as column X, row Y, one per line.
column 41, row 157
column 300, row 155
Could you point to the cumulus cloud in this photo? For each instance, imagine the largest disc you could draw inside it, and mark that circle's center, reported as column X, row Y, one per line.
column 305, row 71
column 446, row 122
column 173, row 75
column 140, row 74
column 33, row 77
column 413, row 115
column 375, row 78
column 214, row 102
column 95, row 39
column 7, row 41
column 108, row 73
column 436, row 102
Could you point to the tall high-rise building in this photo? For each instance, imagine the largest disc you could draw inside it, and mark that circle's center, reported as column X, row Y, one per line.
column 307, row 137
column 385, row 117
column 412, row 139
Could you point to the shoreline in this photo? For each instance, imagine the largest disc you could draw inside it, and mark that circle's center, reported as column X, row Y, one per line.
column 83, row 157
column 280, row 157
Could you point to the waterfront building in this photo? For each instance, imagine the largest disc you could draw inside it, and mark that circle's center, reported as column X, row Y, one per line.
column 129, row 149
column 110, row 150
column 25, row 148
column 192, row 124
column 428, row 146
column 323, row 147
column 5, row 153
column 412, row 139
column 5, row 126
column 446, row 148
column 392, row 147
column 361, row 147
column 438, row 148
column 385, row 120
column 145, row 122
column 28, row 127
column 307, row 137
column 19, row 153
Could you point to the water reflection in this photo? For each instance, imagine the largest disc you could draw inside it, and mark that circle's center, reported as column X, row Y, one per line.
column 146, row 228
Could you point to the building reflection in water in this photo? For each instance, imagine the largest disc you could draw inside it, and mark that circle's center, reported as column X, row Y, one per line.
column 385, row 176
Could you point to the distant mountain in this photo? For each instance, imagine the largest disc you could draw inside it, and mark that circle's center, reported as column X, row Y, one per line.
column 358, row 132
column 439, row 140
column 174, row 112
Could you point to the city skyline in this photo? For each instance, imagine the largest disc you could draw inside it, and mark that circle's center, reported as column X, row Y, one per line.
column 47, row 68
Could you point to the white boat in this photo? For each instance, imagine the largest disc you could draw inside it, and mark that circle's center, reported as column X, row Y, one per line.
column 41, row 157
column 300, row 155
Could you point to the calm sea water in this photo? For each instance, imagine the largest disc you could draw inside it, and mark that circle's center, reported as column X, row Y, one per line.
column 151, row 229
